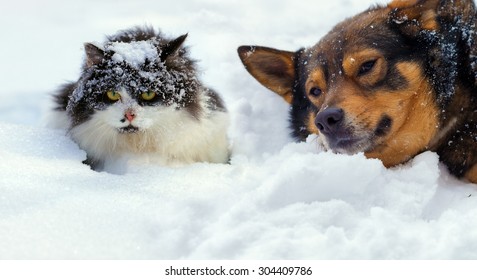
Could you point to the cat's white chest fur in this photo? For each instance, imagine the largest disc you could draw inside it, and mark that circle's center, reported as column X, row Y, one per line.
column 163, row 134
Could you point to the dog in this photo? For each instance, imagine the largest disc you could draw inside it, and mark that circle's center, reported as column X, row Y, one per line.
column 391, row 82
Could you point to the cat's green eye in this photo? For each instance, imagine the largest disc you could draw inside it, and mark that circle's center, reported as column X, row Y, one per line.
column 113, row 95
column 148, row 95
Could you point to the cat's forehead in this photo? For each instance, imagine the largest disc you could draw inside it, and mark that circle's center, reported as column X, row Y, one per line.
column 131, row 64
column 116, row 75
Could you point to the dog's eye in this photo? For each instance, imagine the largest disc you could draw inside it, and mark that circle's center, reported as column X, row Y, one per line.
column 366, row 67
column 314, row 91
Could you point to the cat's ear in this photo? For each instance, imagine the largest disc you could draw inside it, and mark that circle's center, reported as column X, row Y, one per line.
column 94, row 55
column 172, row 46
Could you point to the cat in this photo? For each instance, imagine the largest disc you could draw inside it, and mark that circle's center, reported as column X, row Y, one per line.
column 139, row 94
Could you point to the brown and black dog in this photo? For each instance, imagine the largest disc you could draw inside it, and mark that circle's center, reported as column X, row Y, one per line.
column 391, row 82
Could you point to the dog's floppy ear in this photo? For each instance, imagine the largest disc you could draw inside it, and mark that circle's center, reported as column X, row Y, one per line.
column 413, row 16
column 271, row 67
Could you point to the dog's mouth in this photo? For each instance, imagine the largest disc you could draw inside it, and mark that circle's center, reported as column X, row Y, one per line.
column 349, row 139
column 128, row 129
column 348, row 145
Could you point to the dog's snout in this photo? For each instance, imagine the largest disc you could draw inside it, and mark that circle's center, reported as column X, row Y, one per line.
column 329, row 120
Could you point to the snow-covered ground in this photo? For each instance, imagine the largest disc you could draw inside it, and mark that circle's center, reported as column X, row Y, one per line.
column 276, row 200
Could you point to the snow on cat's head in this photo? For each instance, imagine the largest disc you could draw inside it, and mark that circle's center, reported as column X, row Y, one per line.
column 134, row 53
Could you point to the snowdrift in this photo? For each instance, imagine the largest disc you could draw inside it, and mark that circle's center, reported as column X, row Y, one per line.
column 275, row 200
column 298, row 203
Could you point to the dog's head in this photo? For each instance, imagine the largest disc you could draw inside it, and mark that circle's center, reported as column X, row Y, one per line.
column 363, row 87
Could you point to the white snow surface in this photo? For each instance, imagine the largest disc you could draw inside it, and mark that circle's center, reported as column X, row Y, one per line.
column 276, row 199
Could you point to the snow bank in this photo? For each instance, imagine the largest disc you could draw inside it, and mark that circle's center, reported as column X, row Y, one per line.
column 298, row 203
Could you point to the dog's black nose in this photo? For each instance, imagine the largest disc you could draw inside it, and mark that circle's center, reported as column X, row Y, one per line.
column 329, row 120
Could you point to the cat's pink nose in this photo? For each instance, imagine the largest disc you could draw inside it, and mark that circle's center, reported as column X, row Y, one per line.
column 129, row 115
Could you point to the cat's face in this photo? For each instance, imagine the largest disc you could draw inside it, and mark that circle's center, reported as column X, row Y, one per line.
column 126, row 84
column 128, row 112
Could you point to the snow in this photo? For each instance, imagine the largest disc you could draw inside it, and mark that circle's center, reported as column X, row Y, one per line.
column 276, row 199
column 133, row 53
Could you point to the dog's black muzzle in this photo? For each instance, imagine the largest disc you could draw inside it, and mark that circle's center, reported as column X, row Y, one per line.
column 331, row 124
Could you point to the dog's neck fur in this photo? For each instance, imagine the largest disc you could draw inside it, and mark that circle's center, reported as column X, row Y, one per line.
column 452, row 67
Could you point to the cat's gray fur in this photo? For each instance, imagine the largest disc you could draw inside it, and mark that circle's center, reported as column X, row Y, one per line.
column 185, row 122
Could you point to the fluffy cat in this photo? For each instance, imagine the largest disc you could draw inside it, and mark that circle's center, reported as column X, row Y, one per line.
column 138, row 95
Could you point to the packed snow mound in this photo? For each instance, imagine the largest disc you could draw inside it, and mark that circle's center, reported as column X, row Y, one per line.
column 298, row 203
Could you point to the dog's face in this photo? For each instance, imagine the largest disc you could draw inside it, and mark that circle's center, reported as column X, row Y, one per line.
column 363, row 86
